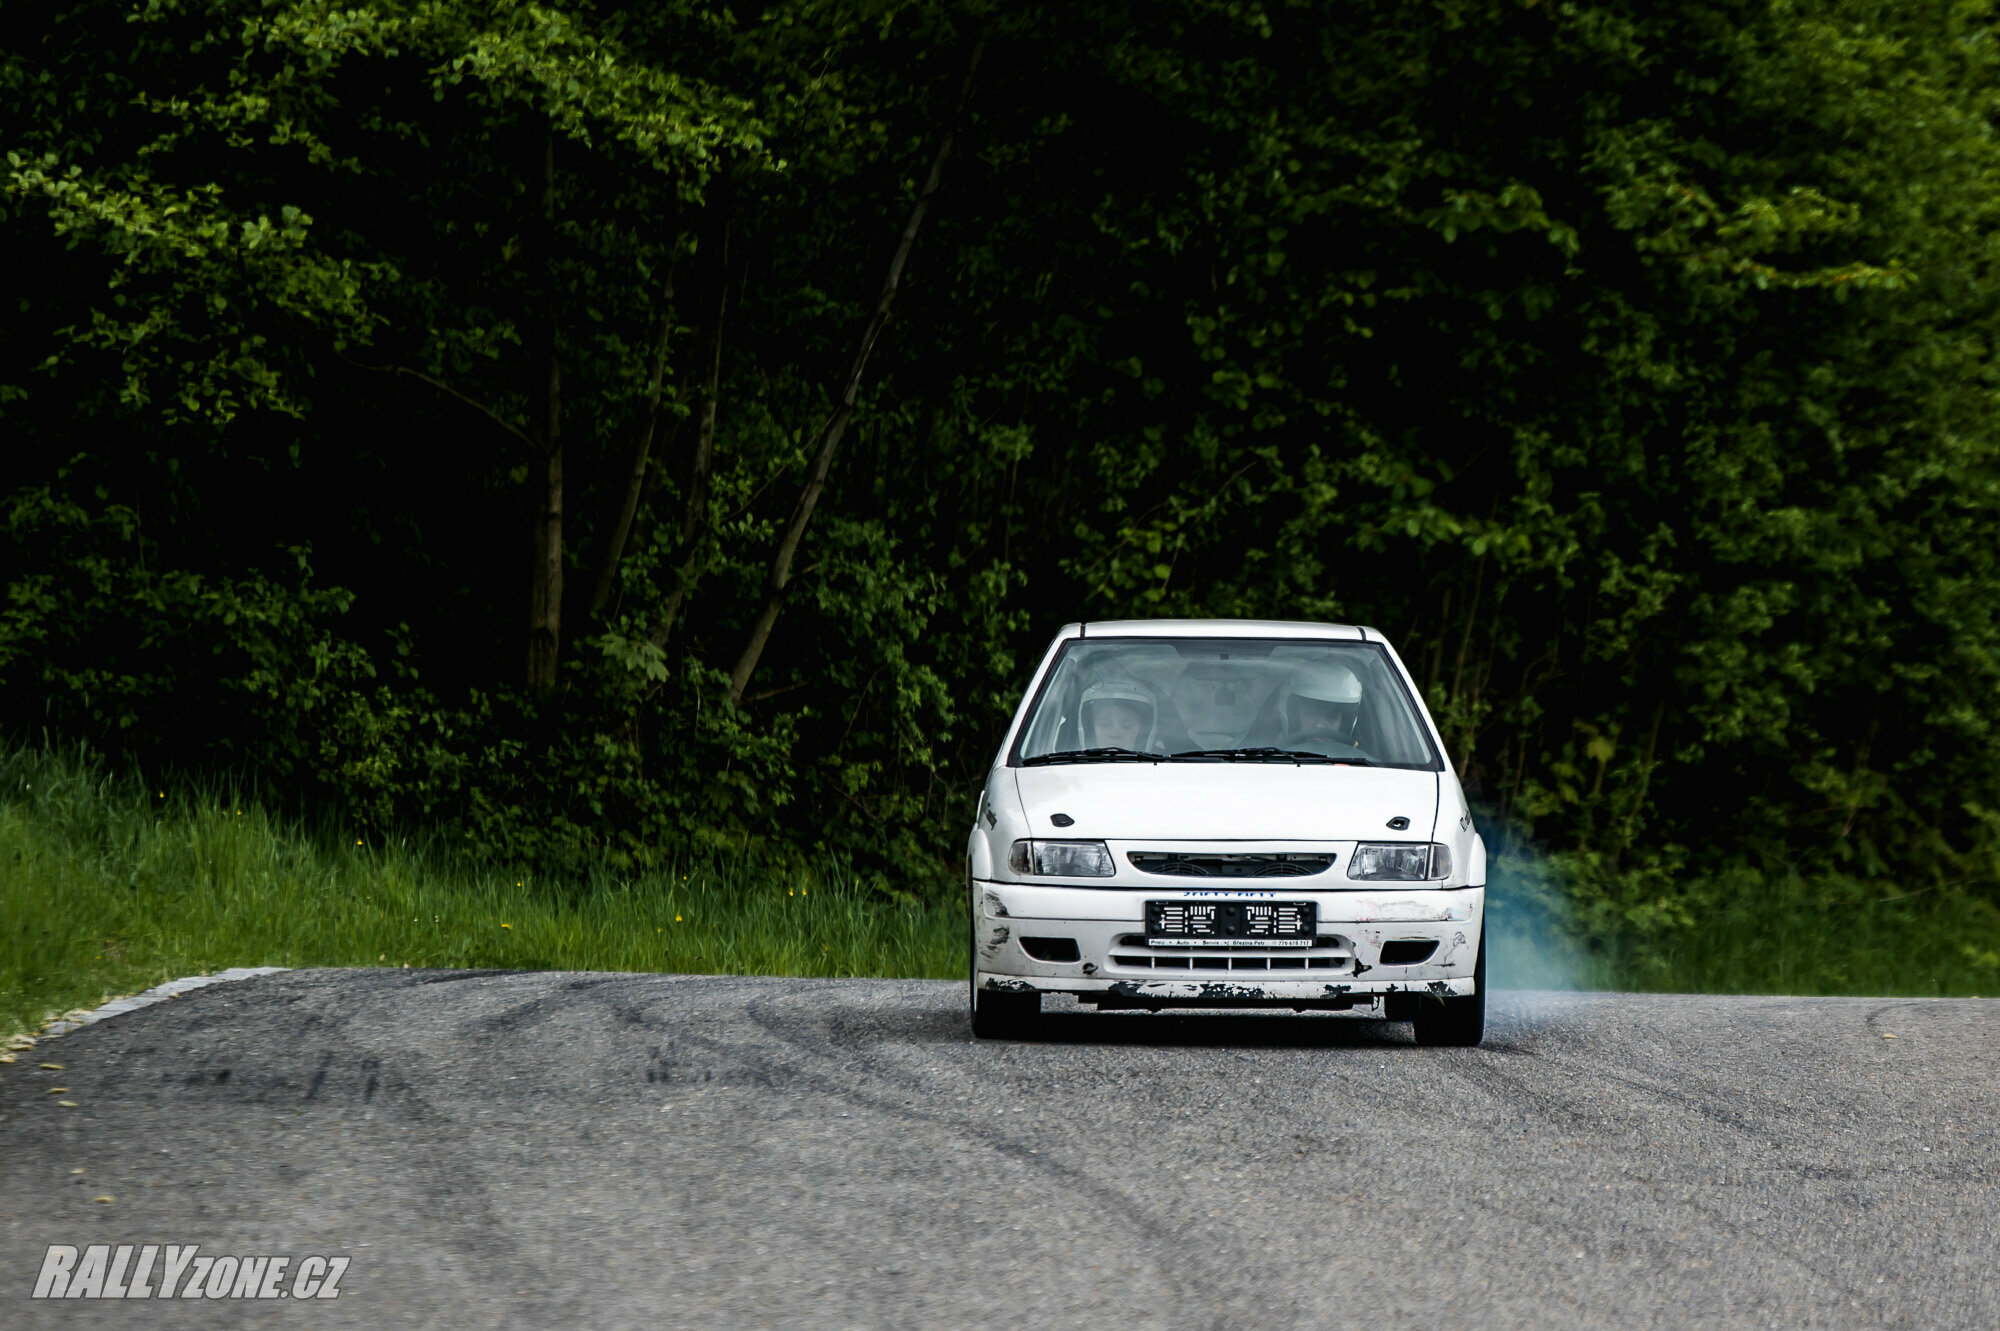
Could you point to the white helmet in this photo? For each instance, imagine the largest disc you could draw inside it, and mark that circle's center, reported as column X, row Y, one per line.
column 1118, row 690
column 1321, row 682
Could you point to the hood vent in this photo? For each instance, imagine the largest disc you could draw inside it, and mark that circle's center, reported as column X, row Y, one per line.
column 1178, row 865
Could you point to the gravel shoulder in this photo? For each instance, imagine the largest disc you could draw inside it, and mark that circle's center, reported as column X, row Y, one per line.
column 509, row 1149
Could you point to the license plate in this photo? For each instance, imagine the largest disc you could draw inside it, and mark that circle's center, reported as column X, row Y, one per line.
column 1231, row 923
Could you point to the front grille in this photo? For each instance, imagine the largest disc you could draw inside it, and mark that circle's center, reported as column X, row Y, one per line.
column 1331, row 954
column 1158, row 962
column 1278, row 865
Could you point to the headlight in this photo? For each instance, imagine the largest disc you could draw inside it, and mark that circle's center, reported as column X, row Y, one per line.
column 1062, row 859
column 1399, row 862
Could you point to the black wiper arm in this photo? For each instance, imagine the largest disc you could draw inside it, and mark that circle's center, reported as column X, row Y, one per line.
column 1268, row 754
column 1255, row 755
column 1104, row 755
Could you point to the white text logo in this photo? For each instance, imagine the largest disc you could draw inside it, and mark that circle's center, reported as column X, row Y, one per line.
column 156, row 1271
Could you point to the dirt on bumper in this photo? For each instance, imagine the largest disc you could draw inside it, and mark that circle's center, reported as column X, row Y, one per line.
column 1369, row 944
column 1228, row 991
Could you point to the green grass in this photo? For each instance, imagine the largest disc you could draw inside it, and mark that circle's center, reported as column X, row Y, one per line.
column 1767, row 935
column 107, row 888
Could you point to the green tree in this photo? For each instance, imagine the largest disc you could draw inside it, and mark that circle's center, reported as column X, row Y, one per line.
column 598, row 429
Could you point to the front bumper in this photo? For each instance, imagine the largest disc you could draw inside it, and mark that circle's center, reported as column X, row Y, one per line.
column 1114, row 964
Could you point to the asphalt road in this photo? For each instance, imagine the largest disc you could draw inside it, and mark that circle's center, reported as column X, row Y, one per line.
column 542, row 1150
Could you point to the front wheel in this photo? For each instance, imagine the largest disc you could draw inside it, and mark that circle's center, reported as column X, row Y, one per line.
column 995, row 1016
column 1456, row 1021
column 998, row 1016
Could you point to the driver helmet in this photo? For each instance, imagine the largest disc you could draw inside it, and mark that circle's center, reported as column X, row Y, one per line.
column 1326, row 683
column 1118, row 691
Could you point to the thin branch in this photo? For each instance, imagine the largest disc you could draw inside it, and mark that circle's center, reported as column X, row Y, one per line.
column 859, row 698
column 1133, row 527
column 772, row 693
column 508, row 426
column 702, row 463
column 836, row 426
column 871, row 817
column 614, row 547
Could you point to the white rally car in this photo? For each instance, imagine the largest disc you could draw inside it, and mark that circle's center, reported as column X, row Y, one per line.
column 1226, row 813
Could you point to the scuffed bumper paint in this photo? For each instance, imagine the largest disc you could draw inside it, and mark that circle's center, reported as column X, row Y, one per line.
column 1227, row 991
column 1113, row 962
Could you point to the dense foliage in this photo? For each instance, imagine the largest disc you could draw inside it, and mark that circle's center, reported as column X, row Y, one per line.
column 424, row 405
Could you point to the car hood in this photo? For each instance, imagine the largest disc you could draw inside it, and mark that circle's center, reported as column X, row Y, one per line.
column 1228, row 801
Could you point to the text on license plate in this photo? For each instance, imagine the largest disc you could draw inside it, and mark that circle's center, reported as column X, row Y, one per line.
column 1216, row 923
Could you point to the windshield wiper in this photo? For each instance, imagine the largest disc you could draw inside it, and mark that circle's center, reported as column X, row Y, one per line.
column 1106, row 755
column 1269, row 755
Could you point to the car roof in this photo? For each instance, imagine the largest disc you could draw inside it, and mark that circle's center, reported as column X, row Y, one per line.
column 1215, row 628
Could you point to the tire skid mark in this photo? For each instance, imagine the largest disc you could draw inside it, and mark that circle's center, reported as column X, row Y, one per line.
column 1196, row 1264
column 1603, row 1079
column 1876, row 1014
column 314, row 1016
column 479, row 1226
column 542, row 1002
column 776, row 1072
column 1762, row 1124
column 1661, row 1192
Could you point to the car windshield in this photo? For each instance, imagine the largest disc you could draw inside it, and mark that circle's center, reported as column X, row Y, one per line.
column 1224, row 700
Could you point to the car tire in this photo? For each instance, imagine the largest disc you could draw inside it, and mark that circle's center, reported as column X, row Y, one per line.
column 1005, row 1016
column 1456, row 1021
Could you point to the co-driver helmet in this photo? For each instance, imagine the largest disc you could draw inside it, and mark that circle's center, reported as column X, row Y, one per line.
column 1124, row 691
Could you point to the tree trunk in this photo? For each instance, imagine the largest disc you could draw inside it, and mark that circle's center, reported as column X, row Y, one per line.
column 545, row 576
column 701, row 466
column 635, row 483
column 546, row 580
column 795, row 529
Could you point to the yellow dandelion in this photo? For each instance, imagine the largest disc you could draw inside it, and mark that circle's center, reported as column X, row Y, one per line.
column 677, row 919
column 505, row 925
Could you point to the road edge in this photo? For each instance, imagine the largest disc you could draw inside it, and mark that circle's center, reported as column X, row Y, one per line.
column 77, row 1018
